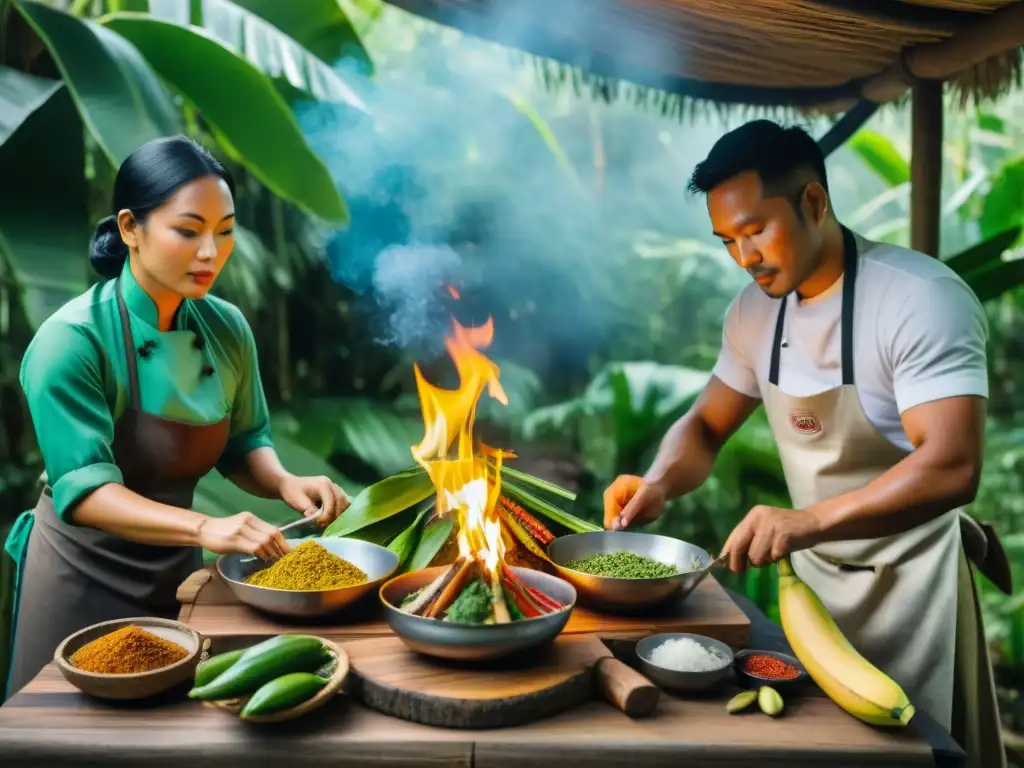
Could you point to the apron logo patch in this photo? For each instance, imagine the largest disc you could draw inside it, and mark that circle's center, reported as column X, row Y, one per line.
column 805, row 422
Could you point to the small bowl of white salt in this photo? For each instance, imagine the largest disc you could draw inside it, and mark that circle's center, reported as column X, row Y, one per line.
column 684, row 662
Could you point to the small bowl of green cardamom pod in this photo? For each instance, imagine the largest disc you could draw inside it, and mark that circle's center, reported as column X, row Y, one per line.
column 628, row 571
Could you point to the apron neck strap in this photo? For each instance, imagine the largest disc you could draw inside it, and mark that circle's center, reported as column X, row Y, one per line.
column 849, row 287
column 129, row 350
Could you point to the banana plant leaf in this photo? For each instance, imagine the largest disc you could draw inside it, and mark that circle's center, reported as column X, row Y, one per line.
column 382, row 500
column 122, row 102
column 394, row 512
column 241, row 106
column 263, row 33
column 407, row 541
column 434, row 535
column 44, row 224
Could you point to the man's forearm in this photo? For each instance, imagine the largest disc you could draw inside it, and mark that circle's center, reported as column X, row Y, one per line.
column 686, row 456
column 922, row 486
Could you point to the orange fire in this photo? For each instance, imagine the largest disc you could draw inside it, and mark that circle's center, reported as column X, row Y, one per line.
column 466, row 482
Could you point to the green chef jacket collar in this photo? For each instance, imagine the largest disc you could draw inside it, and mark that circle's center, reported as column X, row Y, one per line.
column 142, row 307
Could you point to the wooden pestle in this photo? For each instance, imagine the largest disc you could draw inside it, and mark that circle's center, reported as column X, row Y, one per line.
column 624, row 688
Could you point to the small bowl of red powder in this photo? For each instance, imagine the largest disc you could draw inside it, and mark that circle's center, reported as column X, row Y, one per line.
column 779, row 670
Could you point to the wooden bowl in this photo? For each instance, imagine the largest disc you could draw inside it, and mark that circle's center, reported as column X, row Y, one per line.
column 337, row 679
column 138, row 685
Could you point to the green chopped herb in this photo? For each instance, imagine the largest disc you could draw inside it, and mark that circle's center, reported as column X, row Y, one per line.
column 472, row 606
column 513, row 610
column 623, row 565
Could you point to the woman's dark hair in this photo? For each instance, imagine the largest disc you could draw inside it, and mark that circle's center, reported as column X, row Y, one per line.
column 147, row 179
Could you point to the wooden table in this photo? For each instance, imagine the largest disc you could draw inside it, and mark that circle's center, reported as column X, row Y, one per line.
column 209, row 606
column 49, row 723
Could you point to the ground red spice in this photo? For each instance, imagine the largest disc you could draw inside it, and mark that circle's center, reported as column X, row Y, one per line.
column 763, row 665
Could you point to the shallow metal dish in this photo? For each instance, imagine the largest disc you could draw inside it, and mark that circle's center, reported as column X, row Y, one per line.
column 629, row 594
column 673, row 679
column 474, row 642
column 377, row 562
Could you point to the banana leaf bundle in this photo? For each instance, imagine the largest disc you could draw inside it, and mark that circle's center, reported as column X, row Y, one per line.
column 399, row 512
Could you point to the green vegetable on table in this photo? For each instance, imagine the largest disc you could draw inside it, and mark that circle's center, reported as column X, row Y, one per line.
column 213, row 666
column 472, row 606
column 283, row 693
column 262, row 663
column 622, row 565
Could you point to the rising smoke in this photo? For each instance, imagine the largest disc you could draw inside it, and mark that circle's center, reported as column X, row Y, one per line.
column 449, row 182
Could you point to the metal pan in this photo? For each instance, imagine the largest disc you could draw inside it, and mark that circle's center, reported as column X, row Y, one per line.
column 470, row 642
column 626, row 595
column 377, row 562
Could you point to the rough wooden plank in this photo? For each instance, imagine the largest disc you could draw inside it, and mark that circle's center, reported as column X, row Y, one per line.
column 50, row 723
column 708, row 611
column 699, row 732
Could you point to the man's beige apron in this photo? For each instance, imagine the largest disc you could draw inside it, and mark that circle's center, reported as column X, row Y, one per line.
column 906, row 602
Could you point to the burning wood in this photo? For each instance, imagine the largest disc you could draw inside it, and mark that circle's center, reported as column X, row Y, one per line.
column 454, row 587
column 426, row 596
column 478, row 588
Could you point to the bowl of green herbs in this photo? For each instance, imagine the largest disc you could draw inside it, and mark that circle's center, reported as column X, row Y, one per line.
column 626, row 571
column 465, row 612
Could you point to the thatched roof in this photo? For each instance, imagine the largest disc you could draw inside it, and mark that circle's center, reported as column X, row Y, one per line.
column 818, row 55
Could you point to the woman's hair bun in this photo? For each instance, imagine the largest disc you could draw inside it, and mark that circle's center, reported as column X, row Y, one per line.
column 108, row 251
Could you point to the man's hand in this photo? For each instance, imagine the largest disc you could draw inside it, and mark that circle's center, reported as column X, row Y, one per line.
column 767, row 534
column 631, row 499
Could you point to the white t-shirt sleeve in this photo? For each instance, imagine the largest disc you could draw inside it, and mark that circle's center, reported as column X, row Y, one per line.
column 735, row 366
column 937, row 346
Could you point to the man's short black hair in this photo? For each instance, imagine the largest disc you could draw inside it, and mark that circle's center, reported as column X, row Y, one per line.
column 785, row 159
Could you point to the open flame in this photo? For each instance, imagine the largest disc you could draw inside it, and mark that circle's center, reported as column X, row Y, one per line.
column 467, row 484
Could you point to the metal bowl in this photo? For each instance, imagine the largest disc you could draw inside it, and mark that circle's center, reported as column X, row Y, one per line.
column 674, row 679
column 475, row 642
column 377, row 562
column 617, row 594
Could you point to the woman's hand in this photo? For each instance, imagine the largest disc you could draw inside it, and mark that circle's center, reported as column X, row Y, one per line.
column 243, row 533
column 303, row 494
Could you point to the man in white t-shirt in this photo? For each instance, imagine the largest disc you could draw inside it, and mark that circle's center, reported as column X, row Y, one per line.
column 870, row 362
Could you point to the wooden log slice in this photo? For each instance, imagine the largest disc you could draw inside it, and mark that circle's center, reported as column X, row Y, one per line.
column 390, row 678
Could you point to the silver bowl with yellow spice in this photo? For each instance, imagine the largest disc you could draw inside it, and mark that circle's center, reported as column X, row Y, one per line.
column 627, row 571
column 318, row 577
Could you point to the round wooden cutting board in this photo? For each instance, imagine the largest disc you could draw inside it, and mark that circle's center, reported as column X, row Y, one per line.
column 388, row 677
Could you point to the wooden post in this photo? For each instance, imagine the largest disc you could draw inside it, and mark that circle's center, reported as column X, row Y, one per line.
column 926, row 167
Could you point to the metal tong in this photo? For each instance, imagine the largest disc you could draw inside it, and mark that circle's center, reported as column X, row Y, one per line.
column 717, row 561
column 289, row 526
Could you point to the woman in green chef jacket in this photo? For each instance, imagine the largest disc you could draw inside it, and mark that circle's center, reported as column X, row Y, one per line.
column 137, row 388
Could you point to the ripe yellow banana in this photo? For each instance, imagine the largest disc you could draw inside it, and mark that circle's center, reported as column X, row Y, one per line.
column 850, row 680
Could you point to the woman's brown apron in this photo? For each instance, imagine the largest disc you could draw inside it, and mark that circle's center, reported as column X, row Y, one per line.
column 907, row 602
column 73, row 576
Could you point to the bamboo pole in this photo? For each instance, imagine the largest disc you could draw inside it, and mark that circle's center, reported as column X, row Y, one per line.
column 926, row 167
column 991, row 35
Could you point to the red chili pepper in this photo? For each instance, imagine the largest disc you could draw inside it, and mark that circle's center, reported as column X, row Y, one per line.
column 526, row 606
column 545, row 602
column 532, row 524
column 766, row 666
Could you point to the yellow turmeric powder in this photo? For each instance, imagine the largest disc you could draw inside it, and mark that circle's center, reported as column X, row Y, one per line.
column 308, row 567
column 125, row 651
